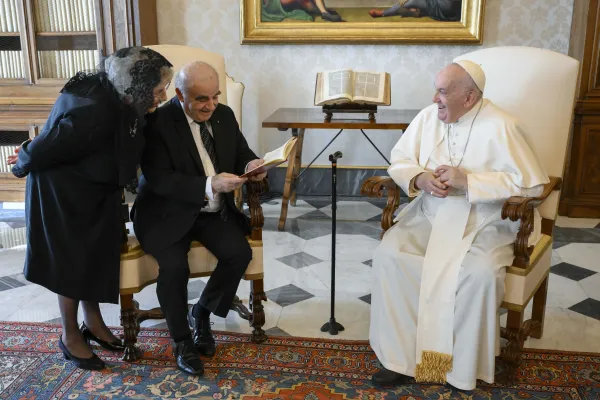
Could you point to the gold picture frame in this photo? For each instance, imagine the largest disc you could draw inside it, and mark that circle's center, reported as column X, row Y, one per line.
column 397, row 29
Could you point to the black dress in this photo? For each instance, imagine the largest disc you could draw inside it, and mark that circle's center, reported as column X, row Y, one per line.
column 76, row 168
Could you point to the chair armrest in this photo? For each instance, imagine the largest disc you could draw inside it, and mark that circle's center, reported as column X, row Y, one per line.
column 376, row 186
column 521, row 208
column 257, row 220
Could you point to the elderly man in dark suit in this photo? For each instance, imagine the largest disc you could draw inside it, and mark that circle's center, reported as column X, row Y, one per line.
column 194, row 155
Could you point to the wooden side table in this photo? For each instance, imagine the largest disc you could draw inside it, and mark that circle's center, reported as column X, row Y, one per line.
column 300, row 119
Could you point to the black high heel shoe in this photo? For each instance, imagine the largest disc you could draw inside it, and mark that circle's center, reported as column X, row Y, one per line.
column 89, row 336
column 94, row 363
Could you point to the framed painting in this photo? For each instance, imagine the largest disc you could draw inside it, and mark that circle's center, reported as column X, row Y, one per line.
column 362, row 21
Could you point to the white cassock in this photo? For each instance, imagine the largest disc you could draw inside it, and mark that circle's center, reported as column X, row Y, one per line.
column 439, row 271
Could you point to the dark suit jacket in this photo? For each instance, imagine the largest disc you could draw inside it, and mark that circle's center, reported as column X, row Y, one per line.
column 172, row 187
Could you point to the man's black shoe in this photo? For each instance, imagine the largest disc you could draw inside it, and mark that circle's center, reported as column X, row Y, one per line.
column 203, row 337
column 387, row 377
column 188, row 358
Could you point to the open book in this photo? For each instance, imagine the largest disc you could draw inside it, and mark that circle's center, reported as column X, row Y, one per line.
column 348, row 86
column 274, row 158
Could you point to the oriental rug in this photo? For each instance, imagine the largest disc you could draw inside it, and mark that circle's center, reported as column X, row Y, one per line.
column 283, row 368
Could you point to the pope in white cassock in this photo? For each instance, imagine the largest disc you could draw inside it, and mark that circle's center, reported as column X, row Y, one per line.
column 439, row 271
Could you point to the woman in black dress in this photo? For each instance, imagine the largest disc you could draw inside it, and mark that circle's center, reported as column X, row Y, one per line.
column 76, row 169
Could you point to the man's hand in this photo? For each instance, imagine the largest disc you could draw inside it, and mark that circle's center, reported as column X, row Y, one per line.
column 452, row 177
column 255, row 164
column 225, row 183
column 431, row 184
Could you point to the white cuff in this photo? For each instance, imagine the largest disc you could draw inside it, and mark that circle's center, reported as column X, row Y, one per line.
column 209, row 191
column 412, row 190
column 246, row 169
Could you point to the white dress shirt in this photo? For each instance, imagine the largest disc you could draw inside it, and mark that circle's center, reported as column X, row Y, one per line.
column 209, row 169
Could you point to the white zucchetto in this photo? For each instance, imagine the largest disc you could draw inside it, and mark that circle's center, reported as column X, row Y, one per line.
column 475, row 71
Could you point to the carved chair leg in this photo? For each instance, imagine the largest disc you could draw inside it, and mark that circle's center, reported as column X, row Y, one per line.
column 131, row 327
column 511, row 354
column 516, row 332
column 538, row 313
column 257, row 318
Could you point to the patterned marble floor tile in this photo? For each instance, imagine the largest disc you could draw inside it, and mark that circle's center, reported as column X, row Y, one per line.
column 195, row 288
column 353, row 211
column 350, row 277
column 584, row 255
column 557, row 245
column 318, row 203
column 306, row 279
column 588, row 307
column 564, row 292
column 571, row 271
column 591, row 286
column 276, row 332
column 576, row 235
column 366, row 298
column 277, row 274
column 376, row 218
column 299, row 260
column 306, row 318
column 280, row 244
column 272, row 209
column 288, row 295
column 317, row 214
column 568, row 330
column 348, row 247
column 315, row 228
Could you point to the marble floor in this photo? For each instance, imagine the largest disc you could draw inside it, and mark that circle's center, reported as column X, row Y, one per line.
column 297, row 266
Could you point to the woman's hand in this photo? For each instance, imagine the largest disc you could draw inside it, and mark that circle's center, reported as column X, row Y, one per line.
column 11, row 160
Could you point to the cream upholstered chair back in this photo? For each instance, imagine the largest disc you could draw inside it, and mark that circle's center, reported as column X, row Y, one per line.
column 537, row 87
column 231, row 92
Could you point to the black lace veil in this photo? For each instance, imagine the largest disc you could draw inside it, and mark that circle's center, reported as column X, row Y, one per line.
column 132, row 73
column 135, row 72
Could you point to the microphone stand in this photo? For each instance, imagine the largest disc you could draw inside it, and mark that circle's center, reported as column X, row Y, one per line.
column 332, row 326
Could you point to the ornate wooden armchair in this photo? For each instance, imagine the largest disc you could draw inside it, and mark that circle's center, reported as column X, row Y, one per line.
column 139, row 270
column 537, row 87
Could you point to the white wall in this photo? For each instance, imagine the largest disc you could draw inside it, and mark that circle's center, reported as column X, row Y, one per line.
column 283, row 75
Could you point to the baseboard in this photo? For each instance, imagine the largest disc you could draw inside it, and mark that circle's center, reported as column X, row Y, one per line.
column 579, row 209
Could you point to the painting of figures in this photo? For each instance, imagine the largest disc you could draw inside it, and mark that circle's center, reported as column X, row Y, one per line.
column 318, row 10
column 362, row 21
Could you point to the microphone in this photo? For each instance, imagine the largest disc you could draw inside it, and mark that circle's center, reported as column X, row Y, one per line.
column 334, row 157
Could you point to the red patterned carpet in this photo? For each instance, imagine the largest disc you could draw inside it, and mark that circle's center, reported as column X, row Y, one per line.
column 32, row 367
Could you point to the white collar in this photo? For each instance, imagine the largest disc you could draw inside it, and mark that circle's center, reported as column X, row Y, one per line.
column 190, row 120
column 469, row 115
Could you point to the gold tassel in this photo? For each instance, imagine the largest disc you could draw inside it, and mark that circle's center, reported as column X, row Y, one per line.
column 434, row 367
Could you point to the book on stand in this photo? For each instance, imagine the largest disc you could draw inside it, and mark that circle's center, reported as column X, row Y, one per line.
column 344, row 86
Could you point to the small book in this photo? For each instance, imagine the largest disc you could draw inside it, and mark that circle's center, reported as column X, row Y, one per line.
column 348, row 86
column 274, row 158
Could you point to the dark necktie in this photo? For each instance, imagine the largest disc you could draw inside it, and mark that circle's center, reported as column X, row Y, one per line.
column 209, row 145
